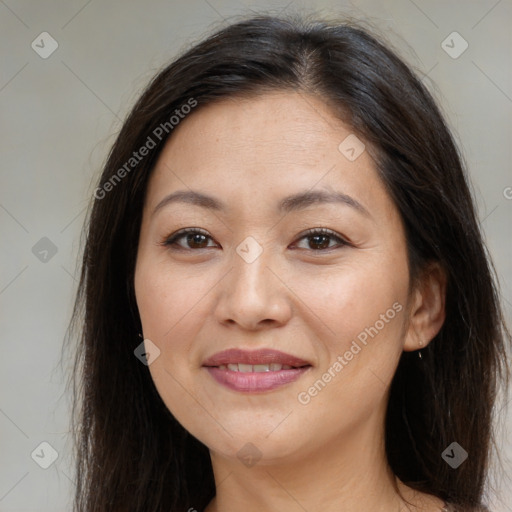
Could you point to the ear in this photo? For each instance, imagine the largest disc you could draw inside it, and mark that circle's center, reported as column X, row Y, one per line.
column 427, row 308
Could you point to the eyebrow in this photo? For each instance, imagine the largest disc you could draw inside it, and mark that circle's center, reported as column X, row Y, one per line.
column 290, row 203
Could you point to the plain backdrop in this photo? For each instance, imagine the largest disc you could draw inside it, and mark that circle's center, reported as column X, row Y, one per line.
column 59, row 116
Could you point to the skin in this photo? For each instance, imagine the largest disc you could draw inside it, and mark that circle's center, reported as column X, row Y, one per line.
column 297, row 297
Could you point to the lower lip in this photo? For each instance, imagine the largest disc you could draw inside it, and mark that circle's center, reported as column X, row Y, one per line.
column 255, row 381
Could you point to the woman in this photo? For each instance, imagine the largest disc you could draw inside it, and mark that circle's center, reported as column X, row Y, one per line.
column 287, row 301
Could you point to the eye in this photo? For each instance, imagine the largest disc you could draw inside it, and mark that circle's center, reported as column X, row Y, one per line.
column 319, row 239
column 194, row 238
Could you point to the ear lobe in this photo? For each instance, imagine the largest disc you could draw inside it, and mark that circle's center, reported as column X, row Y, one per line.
column 427, row 312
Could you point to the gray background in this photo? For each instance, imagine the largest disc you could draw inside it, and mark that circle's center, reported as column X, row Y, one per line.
column 60, row 115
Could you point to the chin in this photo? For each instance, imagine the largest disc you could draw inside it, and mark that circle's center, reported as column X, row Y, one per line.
column 253, row 445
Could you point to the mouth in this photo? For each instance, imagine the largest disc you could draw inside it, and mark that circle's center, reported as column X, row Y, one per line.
column 255, row 371
column 256, row 368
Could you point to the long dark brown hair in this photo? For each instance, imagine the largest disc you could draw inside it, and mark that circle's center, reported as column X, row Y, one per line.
column 131, row 453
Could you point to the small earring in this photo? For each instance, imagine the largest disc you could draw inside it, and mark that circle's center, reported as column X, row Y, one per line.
column 420, row 343
column 140, row 335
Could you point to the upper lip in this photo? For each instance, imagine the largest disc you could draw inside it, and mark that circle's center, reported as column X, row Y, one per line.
column 261, row 356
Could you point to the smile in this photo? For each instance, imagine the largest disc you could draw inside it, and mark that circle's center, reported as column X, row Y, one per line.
column 255, row 371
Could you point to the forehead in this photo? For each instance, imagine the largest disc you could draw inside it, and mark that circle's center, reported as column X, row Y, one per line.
column 264, row 146
column 288, row 124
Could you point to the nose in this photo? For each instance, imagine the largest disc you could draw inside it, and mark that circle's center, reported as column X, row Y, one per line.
column 252, row 295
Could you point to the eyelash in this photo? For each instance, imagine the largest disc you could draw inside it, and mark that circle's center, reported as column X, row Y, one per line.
column 172, row 239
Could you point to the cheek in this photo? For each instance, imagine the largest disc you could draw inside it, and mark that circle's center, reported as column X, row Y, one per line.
column 169, row 299
column 170, row 306
column 350, row 298
column 358, row 321
column 174, row 306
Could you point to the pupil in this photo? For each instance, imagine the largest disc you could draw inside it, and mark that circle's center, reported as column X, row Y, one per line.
column 195, row 238
column 324, row 237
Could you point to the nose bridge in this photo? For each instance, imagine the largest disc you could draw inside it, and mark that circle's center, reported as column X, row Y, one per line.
column 252, row 292
column 250, row 262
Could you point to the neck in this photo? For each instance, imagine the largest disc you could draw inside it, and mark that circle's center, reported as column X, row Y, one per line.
column 347, row 474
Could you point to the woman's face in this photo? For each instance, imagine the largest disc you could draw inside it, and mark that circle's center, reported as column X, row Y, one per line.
column 253, row 278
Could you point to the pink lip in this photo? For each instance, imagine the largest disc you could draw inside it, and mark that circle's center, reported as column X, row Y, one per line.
column 255, row 381
column 261, row 356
